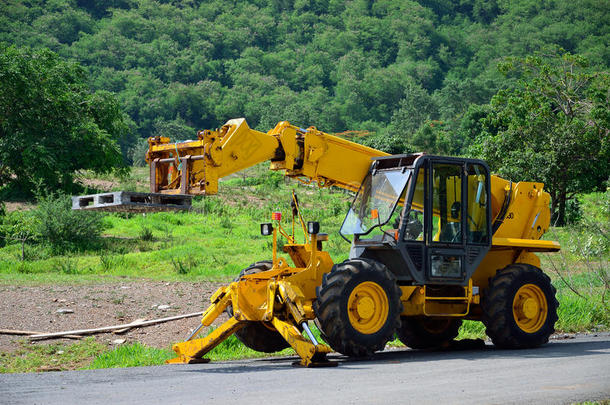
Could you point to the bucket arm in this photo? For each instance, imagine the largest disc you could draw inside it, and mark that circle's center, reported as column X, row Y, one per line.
column 309, row 155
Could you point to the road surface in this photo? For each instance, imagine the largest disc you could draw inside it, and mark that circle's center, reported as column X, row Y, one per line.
column 564, row 371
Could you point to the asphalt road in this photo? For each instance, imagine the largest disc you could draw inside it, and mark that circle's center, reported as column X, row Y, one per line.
column 564, row 371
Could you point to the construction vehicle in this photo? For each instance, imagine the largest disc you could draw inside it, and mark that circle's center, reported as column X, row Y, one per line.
column 434, row 240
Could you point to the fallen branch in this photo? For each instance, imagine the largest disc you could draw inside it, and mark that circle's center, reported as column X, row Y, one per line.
column 135, row 324
column 127, row 329
column 29, row 332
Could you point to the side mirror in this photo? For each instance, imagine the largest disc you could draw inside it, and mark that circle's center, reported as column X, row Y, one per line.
column 313, row 228
column 266, row 229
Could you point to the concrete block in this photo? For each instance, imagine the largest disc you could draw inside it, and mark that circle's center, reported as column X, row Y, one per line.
column 129, row 201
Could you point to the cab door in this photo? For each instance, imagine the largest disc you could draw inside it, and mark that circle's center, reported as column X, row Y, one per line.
column 445, row 223
column 446, row 231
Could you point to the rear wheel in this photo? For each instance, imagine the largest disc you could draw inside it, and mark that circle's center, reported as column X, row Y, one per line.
column 358, row 307
column 427, row 333
column 259, row 336
column 520, row 308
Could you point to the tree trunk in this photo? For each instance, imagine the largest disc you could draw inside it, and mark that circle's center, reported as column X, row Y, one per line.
column 553, row 207
column 561, row 214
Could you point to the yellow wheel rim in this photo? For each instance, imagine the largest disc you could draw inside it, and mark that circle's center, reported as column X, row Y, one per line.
column 530, row 308
column 367, row 307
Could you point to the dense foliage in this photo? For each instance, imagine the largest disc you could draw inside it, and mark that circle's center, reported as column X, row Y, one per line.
column 51, row 124
column 385, row 66
column 414, row 75
column 553, row 128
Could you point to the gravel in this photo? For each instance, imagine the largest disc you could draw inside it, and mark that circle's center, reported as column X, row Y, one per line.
column 56, row 308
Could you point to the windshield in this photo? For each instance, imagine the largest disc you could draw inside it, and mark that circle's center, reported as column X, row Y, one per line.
column 375, row 201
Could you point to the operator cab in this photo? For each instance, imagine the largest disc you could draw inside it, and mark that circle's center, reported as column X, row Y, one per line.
column 427, row 218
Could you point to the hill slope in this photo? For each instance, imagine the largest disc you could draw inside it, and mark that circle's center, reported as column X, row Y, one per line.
column 184, row 65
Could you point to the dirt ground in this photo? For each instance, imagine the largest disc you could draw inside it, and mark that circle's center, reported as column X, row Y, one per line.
column 39, row 308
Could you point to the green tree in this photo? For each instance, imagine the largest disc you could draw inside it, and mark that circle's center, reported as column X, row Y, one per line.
column 553, row 128
column 21, row 227
column 51, row 124
column 435, row 137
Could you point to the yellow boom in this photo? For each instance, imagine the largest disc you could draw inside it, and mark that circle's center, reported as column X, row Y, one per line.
column 194, row 167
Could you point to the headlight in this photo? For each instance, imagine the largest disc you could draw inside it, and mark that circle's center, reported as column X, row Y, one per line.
column 266, row 229
column 313, row 228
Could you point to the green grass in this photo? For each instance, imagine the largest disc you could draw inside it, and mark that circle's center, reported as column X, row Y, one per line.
column 43, row 357
column 131, row 355
column 232, row 349
column 472, row 330
column 219, row 237
column 136, row 355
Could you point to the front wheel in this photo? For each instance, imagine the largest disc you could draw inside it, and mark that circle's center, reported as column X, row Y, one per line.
column 520, row 308
column 358, row 307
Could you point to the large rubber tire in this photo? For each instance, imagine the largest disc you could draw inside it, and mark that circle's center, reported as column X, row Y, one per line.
column 519, row 307
column 259, row 336
column 427, row 333
column 358, row 307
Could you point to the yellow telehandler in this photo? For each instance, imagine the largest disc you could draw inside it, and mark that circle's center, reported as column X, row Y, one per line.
column 434, row 240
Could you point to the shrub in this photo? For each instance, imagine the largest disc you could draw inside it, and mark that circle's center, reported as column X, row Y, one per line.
column 226, row 222
column 64, row 229
column 184, row 265
column 146, row 234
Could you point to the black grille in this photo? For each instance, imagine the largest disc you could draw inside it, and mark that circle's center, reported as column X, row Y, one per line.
column 472, row 254
column 416, row 255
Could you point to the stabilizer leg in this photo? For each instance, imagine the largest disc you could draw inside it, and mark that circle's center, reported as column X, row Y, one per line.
column 192, row 351
column 311, row 355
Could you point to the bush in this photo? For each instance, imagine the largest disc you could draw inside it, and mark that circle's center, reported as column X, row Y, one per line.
column 64, row 229
column 146, row 234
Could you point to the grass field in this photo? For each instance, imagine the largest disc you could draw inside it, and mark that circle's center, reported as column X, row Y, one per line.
column 206, row 243
column 220, row 236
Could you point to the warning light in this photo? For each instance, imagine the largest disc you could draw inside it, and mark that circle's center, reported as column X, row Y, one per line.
column 276, row 216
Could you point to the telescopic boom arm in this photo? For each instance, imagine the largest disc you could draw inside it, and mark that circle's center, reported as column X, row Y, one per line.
column 309, row 155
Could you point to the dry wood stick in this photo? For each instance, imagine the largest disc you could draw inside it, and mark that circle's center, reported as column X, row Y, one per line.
column 29, row 332
column 112, row 328
column 128, row 328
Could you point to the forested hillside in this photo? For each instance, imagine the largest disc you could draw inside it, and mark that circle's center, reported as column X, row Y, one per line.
column 376, row 66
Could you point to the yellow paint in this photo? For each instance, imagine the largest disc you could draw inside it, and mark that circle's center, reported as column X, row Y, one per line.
column 531, row 245
column 368, row 307
column 191, row 350
column 310, row 354
column 530, row 308
column 417, row 302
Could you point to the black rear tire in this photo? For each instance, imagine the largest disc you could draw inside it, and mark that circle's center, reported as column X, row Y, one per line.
column 427, row 333
column 259, row 336
column 519, row 307
column 358, row 307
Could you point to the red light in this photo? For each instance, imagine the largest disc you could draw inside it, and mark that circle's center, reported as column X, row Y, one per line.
column 276, row 216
